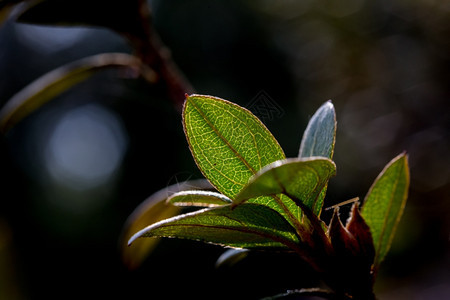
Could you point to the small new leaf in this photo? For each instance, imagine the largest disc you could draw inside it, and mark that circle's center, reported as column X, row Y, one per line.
column 320, row 134
column 354, row 254
column 384, row 204
column 361, row 232
column 249, row 226
column 319, row 139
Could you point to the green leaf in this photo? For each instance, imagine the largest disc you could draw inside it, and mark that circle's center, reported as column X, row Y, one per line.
column 302, row 178
column 384, row 204
column 228, row 143
column 249, row 226
column 58, row 81
column 152, row 210
column 198, row 198
column 320, row 134
column 319, row 139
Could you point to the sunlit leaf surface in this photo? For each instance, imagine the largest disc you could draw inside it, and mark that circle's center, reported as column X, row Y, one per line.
column 249, row 226
column 384, row 204
column 229, row 143
column 303, row 179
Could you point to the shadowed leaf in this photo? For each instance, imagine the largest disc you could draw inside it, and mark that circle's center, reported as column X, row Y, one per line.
column 357, row 226
column 354, row 254
column 198, row 198
column 231, row 257
column 249, row 226
column 58, row 81
column 384, row 204
column 152, row 210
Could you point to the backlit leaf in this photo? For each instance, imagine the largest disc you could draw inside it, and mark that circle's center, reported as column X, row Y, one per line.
column 249, row 226
column 319, row 139
column 384, row 204
column 198, row 198
column 303, row 179
column 229, row 143
column 320, row 134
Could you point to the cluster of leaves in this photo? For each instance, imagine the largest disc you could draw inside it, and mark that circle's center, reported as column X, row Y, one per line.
column 266, row 201
column 255, row 198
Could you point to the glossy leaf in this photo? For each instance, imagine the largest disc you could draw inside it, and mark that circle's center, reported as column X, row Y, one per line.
column 228, row 143
column 198, row 198
column 384, row 204
column 152, row 210
column 319, row 139
column 303, row 179
column 249, row 226
column 58, row 81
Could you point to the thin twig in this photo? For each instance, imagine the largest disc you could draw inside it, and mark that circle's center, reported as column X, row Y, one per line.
column 151, row 50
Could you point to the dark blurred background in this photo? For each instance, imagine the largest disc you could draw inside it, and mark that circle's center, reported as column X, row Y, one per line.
column 74, row 170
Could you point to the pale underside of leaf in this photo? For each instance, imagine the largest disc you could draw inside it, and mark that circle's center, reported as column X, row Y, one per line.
column 384, row 204
column 198, row 198
column 249, row 226
column 319, row 139
column 320, row 134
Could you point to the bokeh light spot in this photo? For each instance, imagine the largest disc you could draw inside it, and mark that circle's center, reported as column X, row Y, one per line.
column 85, row 148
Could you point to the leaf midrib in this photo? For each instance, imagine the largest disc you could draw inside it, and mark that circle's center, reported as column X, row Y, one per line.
column 278, row 200
column 275, row 238
column 217, row 132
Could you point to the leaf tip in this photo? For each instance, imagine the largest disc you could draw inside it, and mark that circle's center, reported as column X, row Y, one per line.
column 137, row 235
